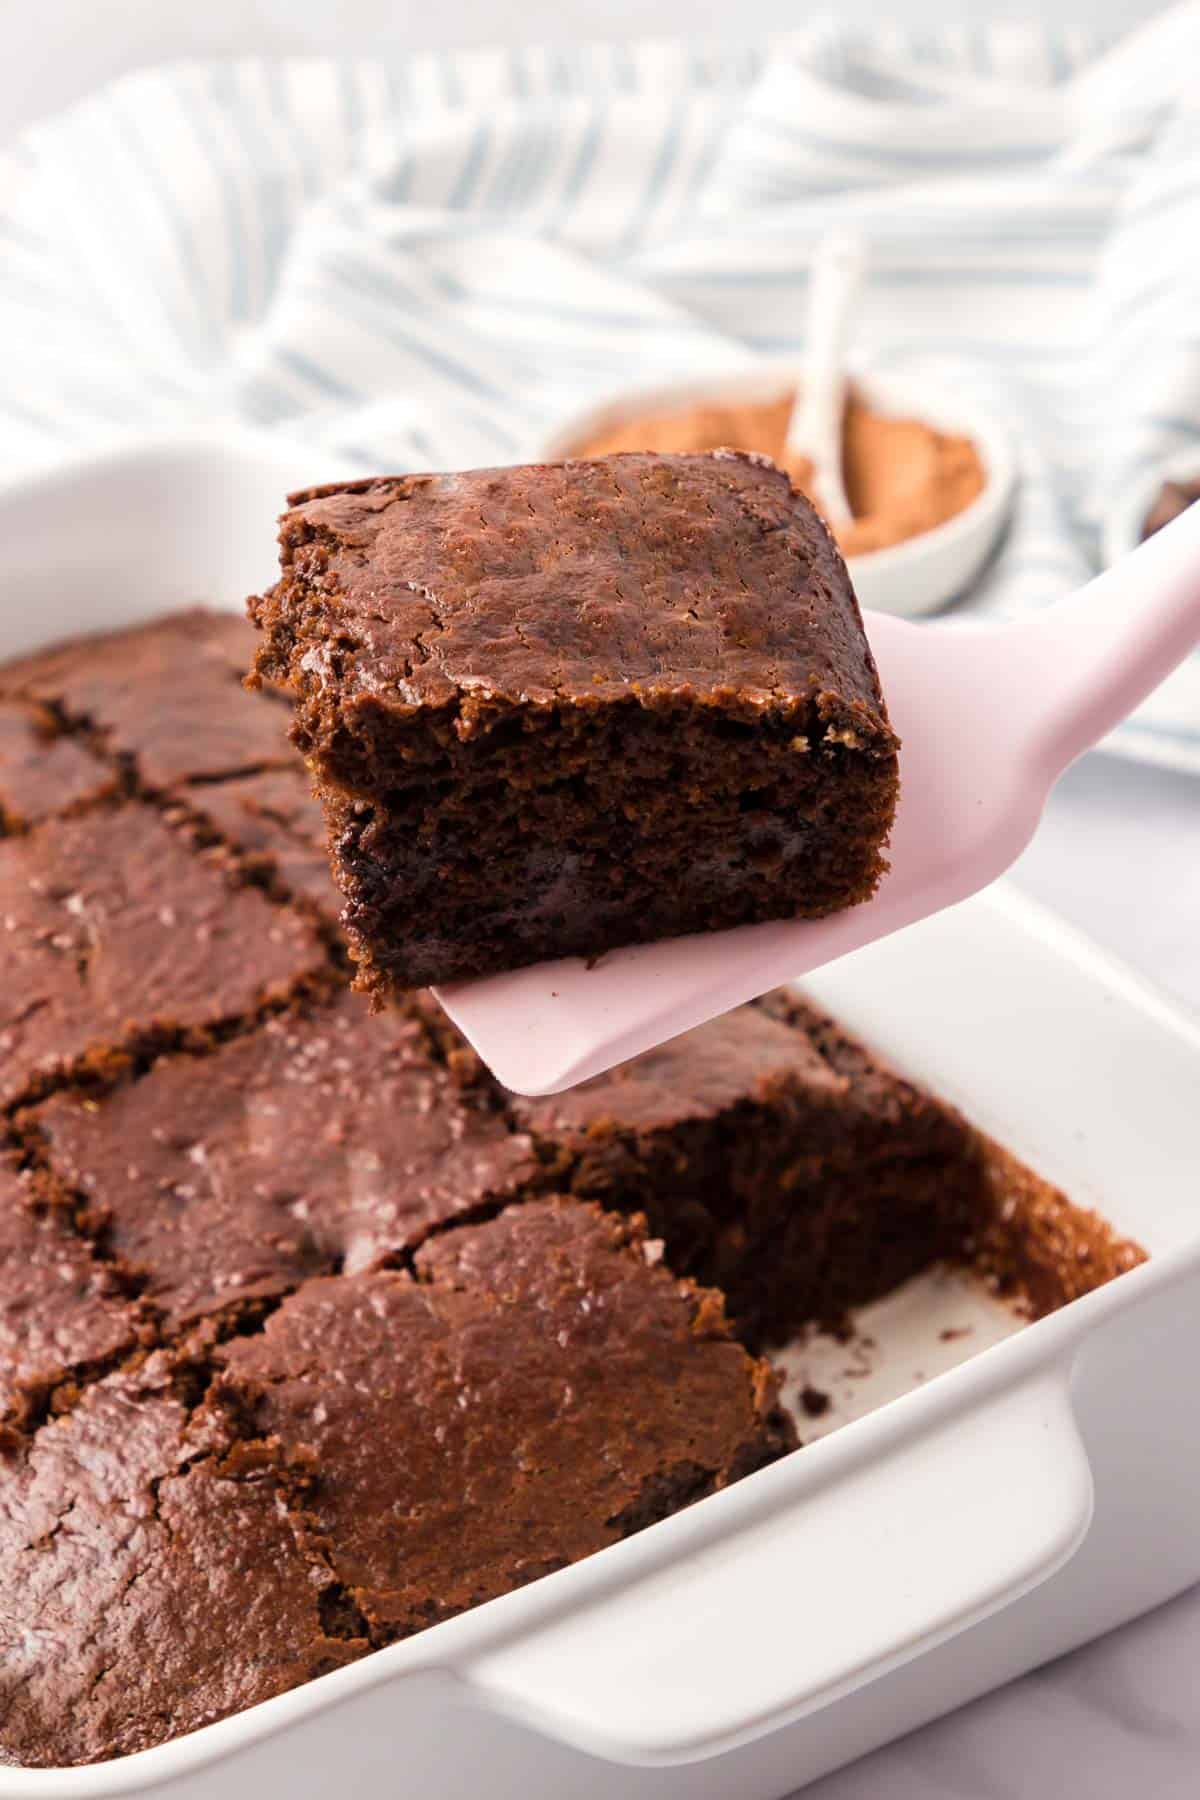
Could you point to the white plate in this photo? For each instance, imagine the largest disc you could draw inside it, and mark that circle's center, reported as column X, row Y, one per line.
column 998, row 1514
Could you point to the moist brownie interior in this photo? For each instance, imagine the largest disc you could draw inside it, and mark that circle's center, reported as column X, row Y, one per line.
column 560, row 708
column 775, row 1157
column 275, row 1273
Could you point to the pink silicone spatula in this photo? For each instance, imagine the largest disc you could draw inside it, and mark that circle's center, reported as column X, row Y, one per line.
column 989, row 716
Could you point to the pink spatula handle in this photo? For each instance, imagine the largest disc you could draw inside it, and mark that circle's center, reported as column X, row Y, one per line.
column 989, row 715
column 1096, row 656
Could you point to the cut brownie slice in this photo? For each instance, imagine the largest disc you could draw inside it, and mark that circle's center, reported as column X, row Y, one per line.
column 561, row 708
column 167, row 697
column 152, row 1578
column 43, row 771
column 115, row 934
column 544, row 1388
column 783, row 1162
column 62, row 1313
column 320, row 1142
column 779, row 1161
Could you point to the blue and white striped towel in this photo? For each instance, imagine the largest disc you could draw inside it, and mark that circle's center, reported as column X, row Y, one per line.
column 427, row 262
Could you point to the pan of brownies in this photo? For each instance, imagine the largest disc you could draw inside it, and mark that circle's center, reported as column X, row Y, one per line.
column 363, row 1422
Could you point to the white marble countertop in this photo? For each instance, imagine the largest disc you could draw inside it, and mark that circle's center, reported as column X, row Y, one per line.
column 1118, row 855
column 1120, row 1718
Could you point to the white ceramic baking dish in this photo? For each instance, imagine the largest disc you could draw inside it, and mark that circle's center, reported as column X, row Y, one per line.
column 1039, row 1493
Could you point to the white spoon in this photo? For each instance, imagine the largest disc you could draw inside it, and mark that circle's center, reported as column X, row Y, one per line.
column 815, row 427
column 989, row 717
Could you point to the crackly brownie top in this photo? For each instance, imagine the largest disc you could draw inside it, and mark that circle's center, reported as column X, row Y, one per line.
column 876, row 1098
column 779, row 1052
column 542, row 1387
column 706, row 577
column 111, row 926
column 42, row 771
column 323, row 1141
column 272, row 820
column 152, row 1574
column 169, row 695
column 744, row 1056
column 61, row 1311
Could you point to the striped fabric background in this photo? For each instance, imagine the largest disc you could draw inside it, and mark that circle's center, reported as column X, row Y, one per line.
column 427, row 263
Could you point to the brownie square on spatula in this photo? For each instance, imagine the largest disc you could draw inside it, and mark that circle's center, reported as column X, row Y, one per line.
column 560, row 708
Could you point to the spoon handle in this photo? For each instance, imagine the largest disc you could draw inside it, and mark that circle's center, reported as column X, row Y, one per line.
column 815, row 427
column 1095, row 656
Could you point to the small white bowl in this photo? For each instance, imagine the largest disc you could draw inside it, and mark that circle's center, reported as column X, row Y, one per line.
column 917, row 576
column 1123, row 527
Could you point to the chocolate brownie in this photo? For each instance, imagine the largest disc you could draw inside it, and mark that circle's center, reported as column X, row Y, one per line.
column 63, row 1314
column 277, row 830
column 776, row 1164
column 43, row 771
column 556, row 709
column 166, row 697
column 1032, row 1242
column 544, row 1387
column 116, row 934
column 785, row 1164
column 153, row 1579
column 324, row 1141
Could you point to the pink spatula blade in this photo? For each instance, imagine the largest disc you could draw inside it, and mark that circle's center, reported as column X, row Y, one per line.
column 988, row 716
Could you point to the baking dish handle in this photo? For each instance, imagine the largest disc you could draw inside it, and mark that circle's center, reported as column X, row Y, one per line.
column 828, row 1570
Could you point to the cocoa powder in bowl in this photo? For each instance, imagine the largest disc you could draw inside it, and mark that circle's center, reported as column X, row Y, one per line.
column 902, row 476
